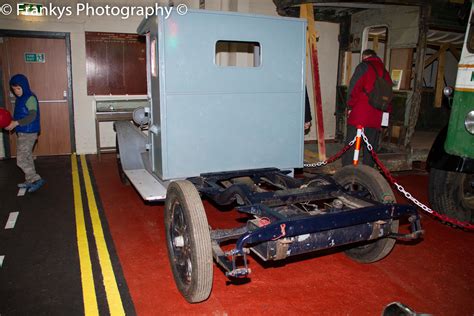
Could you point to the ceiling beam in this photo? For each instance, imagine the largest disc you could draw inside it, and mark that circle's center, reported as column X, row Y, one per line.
column 362, row 4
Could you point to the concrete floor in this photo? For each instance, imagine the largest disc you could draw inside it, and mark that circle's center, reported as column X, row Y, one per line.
column 432, row 276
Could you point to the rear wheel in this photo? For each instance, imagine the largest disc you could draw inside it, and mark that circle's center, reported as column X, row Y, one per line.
column 370, row 184
column 452, row 194
column 189, row 242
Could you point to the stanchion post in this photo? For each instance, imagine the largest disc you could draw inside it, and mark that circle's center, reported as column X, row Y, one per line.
column 355, row 160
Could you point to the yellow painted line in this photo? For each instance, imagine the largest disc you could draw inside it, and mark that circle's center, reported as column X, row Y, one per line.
column 466, row 66
column 464, row 89
column 114, row 299
column 87, row 279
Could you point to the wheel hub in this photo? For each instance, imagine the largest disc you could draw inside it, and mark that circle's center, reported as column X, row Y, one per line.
column 178, row 241
column 180, row 244
column 467, row 191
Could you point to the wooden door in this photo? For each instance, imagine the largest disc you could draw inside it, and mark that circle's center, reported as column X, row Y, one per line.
column 43, row 62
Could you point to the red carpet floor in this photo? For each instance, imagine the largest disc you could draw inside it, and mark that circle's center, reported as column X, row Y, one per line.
column 433, row 276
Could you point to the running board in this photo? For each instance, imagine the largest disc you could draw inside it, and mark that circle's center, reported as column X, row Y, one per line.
column 150, row 188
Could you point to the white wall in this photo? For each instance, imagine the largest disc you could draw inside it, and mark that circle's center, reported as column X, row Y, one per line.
column 84, row 111
column 266, row 7
column 328, row 55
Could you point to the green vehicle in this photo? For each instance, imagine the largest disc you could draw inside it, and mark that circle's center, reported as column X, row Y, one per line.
column 451, row 159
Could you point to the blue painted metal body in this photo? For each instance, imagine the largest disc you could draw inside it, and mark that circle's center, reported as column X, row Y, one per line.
column 231, row 130
column 211, row 118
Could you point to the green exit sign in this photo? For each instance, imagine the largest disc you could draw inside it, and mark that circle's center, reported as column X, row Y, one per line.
column 26, row 8
column 35, row 57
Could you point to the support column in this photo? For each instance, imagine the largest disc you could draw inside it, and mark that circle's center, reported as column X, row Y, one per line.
column 440, row 77
column 306, row 11
column 419, row 67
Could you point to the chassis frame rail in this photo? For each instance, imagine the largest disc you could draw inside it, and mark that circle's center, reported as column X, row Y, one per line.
column 367, row 220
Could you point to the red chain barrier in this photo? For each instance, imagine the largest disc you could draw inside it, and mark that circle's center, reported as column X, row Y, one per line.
column 332, row 158
column 339, row 154
column 392, row 181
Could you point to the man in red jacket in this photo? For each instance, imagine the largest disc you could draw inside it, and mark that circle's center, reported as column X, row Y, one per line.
column 360, row 111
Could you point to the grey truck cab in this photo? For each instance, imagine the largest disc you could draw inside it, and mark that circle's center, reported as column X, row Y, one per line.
column 225, row 123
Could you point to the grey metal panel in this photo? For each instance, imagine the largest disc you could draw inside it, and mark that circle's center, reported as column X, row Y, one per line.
column 134, row 160
column 191, row 45
column 245, row 135
column 131, row 143
column 155, row 91
column 150, row 189
column 214, row 118
column 402, row 23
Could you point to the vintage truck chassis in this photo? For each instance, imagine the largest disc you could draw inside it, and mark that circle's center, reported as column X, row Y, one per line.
column 287, row 217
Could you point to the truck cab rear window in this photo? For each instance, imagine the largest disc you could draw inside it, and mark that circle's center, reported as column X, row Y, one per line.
column 237, row 54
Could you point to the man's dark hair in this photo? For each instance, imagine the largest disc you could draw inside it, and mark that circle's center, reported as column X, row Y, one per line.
column 369, row 52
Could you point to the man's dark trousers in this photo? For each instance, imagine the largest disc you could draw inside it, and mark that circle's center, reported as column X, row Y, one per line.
column 372, row 134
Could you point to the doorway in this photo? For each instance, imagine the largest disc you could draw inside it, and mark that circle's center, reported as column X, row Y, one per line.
column 45, row 60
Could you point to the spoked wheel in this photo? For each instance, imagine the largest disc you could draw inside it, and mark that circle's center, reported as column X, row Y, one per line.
column 122, row 175
column 369, row 183
column 189, row 242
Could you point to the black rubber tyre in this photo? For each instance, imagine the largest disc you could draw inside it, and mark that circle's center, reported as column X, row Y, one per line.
column 189, row 241
column 452, row 194
column 122, row 175
column 374, row 186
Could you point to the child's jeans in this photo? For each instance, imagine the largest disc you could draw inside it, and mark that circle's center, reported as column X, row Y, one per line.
column 24, row 155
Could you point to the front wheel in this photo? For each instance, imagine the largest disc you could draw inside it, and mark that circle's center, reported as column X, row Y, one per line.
column 188, row 240
column 452, row 194
column 370, row 184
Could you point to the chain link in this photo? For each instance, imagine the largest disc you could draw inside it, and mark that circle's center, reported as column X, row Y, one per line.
column 399, row 187
column 315, row 164
column 412, row 198
column 352, row 142
column 391, row 179
column 408, row 195
column 331, row 159
column 366, row 140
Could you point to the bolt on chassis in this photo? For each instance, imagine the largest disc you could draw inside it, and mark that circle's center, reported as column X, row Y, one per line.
column 232, row 133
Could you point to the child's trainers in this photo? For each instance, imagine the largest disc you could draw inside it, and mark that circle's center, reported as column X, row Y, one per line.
column 25, row 185
column 36, row 185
